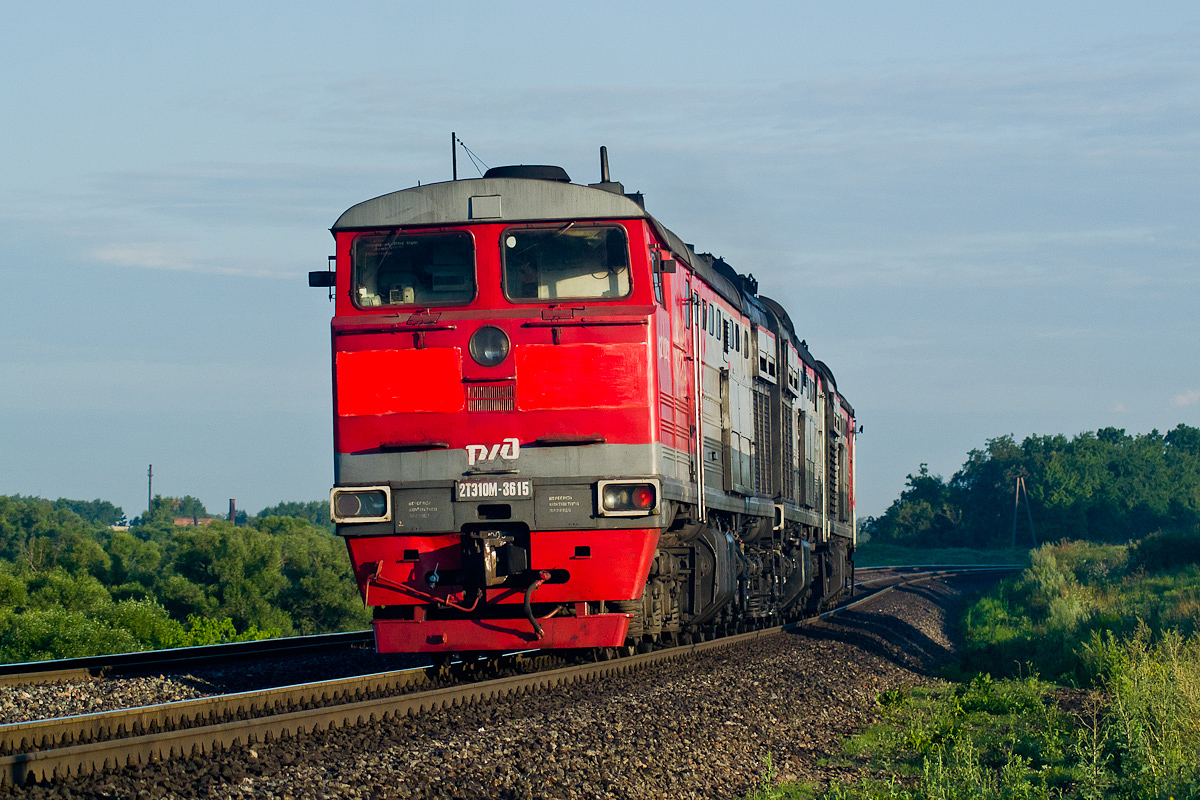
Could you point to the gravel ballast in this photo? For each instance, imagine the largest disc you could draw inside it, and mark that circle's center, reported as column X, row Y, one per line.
column 82, row 696
column 701, row 727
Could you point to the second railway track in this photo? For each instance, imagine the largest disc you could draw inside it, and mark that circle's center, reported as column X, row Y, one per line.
column 46, row 750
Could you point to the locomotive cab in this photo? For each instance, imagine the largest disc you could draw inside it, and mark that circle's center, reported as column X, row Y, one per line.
column 494, row 413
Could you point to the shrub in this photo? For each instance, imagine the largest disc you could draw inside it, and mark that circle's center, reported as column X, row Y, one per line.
column 54, row 632
column 205, row 630
column 148, row 622
column 59, row 588
column 1166, row 550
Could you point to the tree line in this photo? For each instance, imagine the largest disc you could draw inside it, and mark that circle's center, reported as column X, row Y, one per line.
column 1106, row 486
column 71, row 585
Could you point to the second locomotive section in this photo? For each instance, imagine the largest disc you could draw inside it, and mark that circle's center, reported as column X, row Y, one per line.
column 557, row 426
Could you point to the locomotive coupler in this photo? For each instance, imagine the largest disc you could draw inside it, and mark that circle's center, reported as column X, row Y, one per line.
column 481, row 556
column 491, row 557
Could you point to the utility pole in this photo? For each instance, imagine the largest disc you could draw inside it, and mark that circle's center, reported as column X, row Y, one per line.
column 454, row 155
column 149, row 490
column 1016, row 507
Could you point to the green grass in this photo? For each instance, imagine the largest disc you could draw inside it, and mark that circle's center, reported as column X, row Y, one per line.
column 977, row 739
column 878, row 555
column 1097, row 694
column 1048, row 617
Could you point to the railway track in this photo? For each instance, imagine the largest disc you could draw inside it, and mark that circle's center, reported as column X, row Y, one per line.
column 175, row 659
column 46, row 750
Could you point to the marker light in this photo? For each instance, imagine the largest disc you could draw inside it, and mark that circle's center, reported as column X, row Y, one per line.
column 628, row 499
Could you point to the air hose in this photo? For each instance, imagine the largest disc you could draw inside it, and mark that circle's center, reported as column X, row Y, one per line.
column 542, row 577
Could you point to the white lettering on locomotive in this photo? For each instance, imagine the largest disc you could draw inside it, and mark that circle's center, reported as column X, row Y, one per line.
column 509, row 450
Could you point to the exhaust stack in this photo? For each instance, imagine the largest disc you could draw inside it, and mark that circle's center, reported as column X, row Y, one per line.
column 616, row 187
column 606, row 183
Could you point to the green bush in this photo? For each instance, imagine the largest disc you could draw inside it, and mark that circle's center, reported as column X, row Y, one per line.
column 158, row 585
column 146, row 621
column 54, row 632
column 59, row 588
column 1166, row 550
column 204, row 631
column 12, row 589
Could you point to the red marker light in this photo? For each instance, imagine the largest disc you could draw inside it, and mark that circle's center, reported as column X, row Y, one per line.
column 643, row 497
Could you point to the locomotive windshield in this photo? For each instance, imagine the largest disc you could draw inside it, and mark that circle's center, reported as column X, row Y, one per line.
column 423, row 269
column 570, row 261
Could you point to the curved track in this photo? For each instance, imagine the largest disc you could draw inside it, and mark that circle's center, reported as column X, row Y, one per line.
column 44, row 750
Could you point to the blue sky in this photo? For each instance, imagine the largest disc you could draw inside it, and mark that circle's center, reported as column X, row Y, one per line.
column 983, row 217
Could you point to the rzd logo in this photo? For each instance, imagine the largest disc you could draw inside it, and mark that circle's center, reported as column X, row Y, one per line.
column 509, row 449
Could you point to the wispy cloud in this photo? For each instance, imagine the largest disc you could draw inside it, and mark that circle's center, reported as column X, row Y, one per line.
column 239, row 194
column 987, row 173
column 162, row 257
column 1189, row 398
column 1049, row 258
column 146, row 256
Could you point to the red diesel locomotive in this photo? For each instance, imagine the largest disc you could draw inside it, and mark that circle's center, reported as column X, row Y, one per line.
column 558, row 426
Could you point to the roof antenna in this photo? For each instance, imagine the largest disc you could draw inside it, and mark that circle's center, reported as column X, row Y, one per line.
column 604, row 164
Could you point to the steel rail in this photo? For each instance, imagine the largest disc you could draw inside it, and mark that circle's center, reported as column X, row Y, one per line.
column 181, row 657
column 45, row 734
column 927, row 567
column 86, row 743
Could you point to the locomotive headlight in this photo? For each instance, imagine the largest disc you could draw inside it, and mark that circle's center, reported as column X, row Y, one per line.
column 489, row 346
column 628, row 498
column 615, row 497
column 370, row 504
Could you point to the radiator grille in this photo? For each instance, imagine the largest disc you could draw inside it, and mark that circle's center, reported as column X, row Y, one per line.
column 835, row 479
column 490, row 396
column 789, row 456
column 762, row 437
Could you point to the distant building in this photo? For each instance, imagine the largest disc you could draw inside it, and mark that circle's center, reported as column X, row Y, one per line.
column 189, row 522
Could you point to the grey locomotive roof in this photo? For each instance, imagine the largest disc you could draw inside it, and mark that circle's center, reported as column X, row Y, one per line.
column 789, row 329
column 521, row 200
